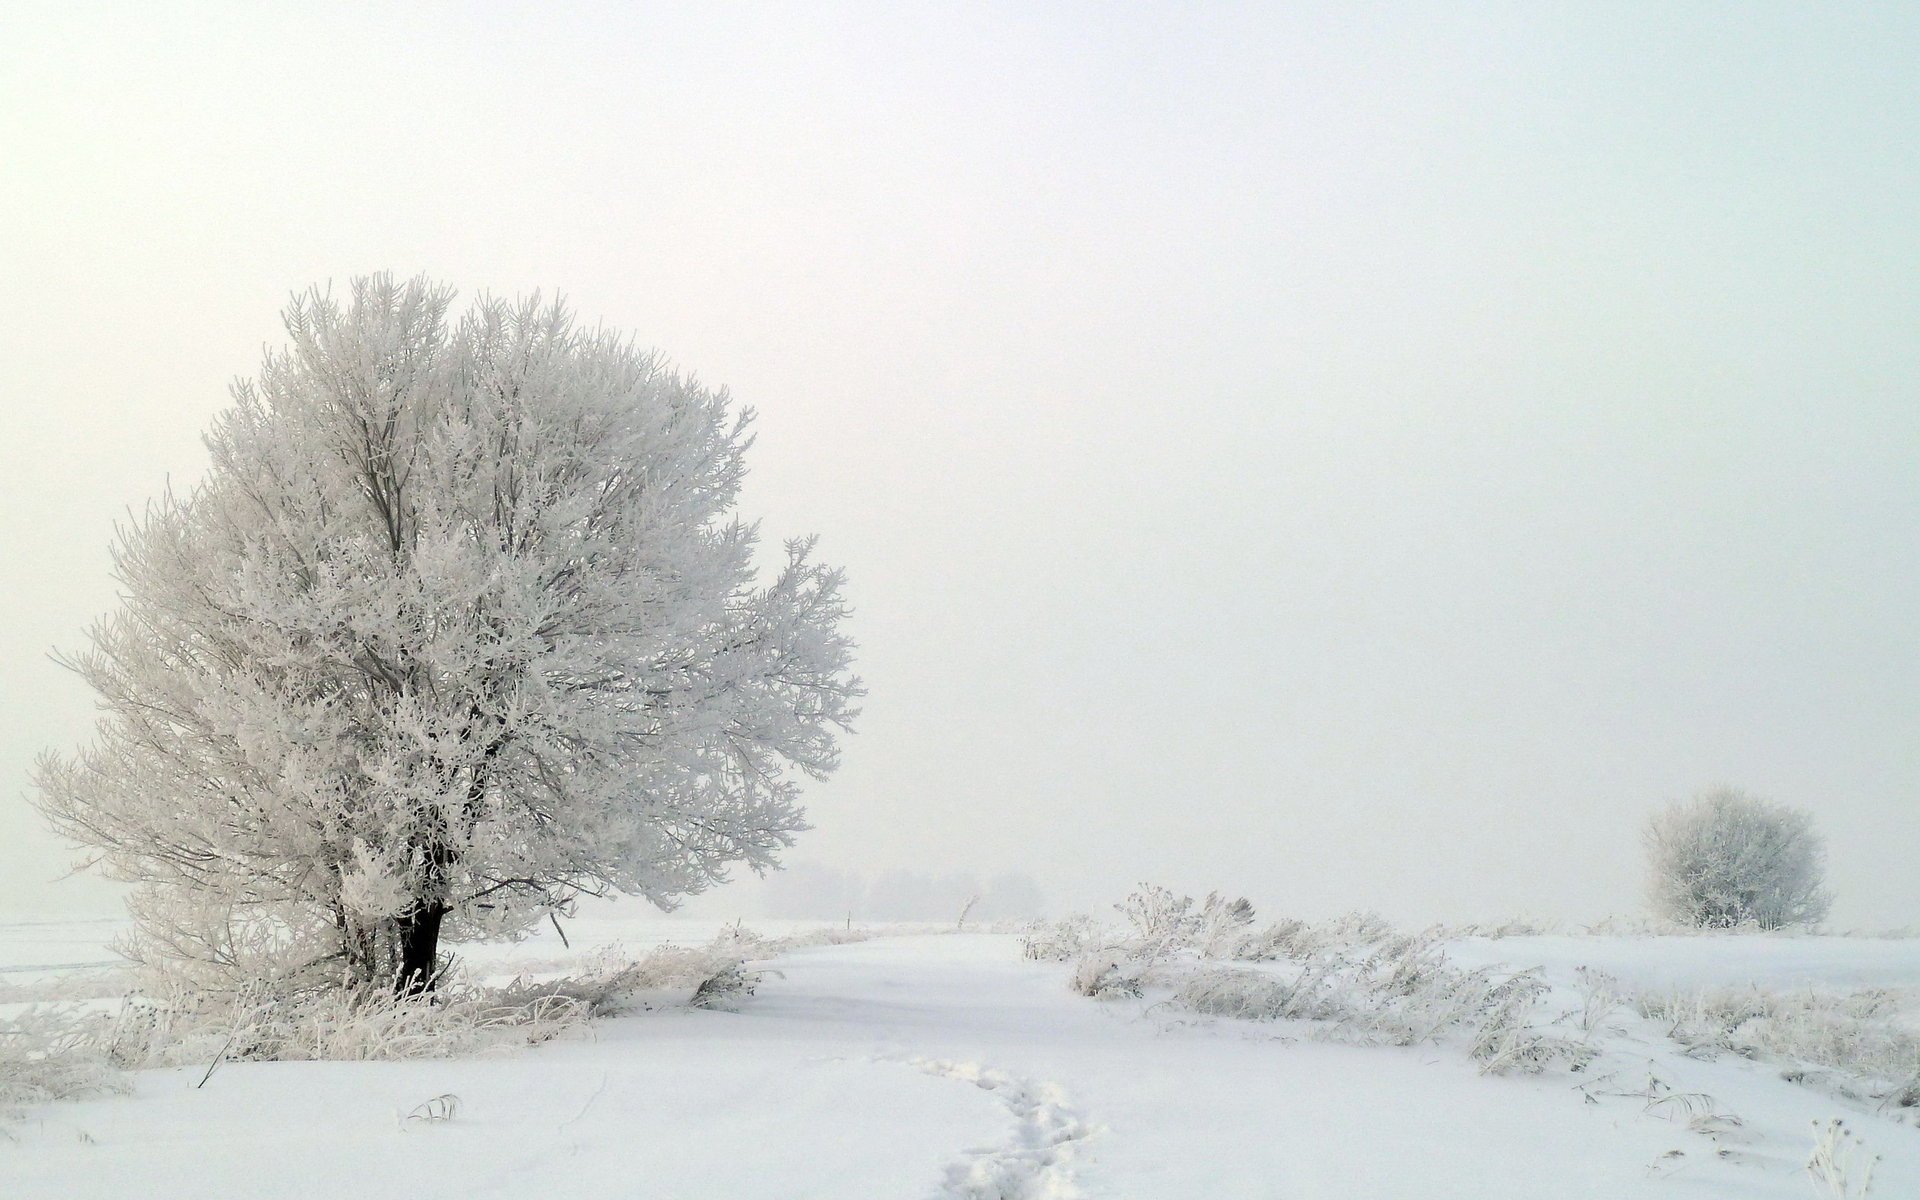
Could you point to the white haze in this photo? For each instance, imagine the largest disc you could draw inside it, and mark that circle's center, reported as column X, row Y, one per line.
column 1359, row 458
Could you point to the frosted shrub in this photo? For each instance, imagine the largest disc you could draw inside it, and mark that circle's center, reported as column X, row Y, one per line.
column 1725, row 859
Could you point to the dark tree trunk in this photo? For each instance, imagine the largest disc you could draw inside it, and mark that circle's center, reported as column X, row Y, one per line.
column 419, row 931
column 419, row 949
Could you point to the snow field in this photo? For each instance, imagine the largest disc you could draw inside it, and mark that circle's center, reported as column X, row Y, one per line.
column 936, row 1067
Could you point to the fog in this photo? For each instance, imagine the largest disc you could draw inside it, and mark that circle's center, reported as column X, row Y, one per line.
column 1354, row 457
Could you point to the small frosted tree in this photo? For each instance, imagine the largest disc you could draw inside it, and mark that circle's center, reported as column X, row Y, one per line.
column 458, row 627
column 1725, row 858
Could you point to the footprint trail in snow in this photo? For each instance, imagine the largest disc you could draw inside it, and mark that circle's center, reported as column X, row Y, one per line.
column 1036, row 1163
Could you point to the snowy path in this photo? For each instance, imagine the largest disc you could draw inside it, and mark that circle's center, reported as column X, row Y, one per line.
column 920, row 1068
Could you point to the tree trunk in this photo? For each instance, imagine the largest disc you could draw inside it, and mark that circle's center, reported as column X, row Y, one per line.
column 419, row 949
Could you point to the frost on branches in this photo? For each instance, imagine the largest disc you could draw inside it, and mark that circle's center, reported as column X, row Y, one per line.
column 1725, row 859
column 458, row 627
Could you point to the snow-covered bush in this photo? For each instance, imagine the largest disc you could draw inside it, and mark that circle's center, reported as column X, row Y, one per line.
column 1725, row 859
column 459, row 625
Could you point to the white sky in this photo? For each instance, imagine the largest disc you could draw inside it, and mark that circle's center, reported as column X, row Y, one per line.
column 1355, row 455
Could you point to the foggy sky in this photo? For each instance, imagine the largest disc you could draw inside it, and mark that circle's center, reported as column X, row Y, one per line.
column 1361, row 456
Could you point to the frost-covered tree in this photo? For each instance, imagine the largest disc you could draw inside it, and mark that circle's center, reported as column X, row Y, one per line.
column 459, row 626
column 1725, row 858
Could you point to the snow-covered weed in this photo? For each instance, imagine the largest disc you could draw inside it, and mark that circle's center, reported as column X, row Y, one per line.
column 1513, row 927
column 1507, row 1037
column 51, row 1054
column 435, row 1110
column 1253, row 995
column 1105, row 977
column 1839, row 1165
column 727, row 987
column 60, row 1052
column 1063, row 940
column 1162, row 923
column 612, row 978
column 1357, row 978
column 1221, row 925
column 461, row 1019
column 185, row 1029
column 1860, row 1045
column 1601, row 996
column 1283, row 939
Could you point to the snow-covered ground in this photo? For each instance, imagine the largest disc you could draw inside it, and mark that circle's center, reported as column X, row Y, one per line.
column 948, row 1066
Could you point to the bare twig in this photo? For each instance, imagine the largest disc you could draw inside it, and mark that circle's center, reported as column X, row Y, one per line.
column 217, row 1060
